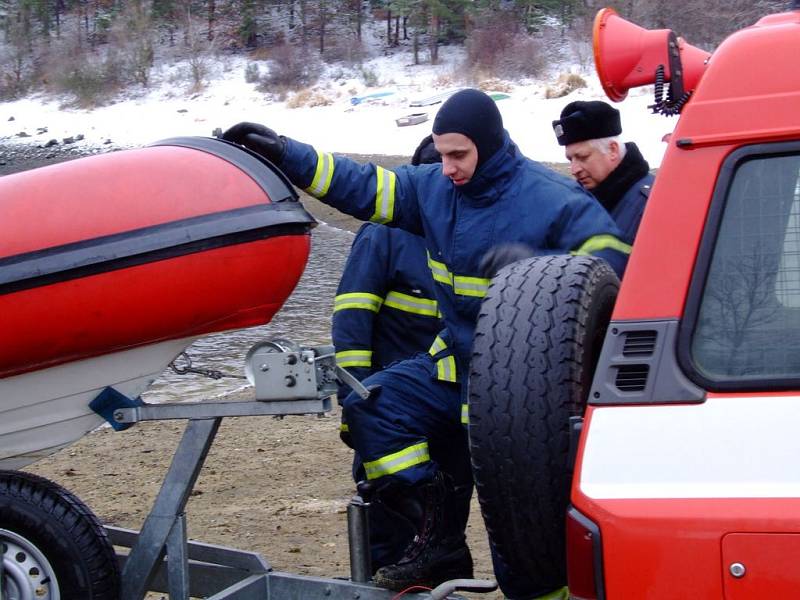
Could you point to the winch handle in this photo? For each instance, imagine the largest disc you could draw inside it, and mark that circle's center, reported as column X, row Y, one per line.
column 344, row 377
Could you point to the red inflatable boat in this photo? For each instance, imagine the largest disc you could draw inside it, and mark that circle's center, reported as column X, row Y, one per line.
column 111, row 265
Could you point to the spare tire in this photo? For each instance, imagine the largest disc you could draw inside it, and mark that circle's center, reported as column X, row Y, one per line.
column 537, row 340
column 52, row 544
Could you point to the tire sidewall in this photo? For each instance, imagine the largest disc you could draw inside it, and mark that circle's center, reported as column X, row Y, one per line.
column 47, row 516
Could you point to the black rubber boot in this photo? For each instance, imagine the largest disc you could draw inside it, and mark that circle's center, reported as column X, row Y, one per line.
column 389, row 531
column 439, row 550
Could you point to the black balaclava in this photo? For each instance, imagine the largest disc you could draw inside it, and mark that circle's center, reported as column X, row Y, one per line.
column 475, row 115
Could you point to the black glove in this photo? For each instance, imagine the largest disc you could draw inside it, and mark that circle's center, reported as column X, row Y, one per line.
column 341, row 393
column 500, row 256
column 426, row 153
column 258, row 138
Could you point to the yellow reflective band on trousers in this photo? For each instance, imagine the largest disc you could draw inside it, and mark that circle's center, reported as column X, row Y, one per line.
column 465, row 414
column 360, row 300
column 322, row 176
column 560, row 594
column 412, row 304
column 462, row 285
column 354, row 358
column 344, row 428
column 602, row 242
column 445, row 366
column 398, row 461
column 384, row 196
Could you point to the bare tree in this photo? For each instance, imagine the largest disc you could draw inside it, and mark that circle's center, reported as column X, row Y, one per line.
column 18, row 36
column 739, row 302
column 212, row 19
column 703, row 23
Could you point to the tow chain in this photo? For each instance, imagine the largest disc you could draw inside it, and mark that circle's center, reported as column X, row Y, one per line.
column 212, row 373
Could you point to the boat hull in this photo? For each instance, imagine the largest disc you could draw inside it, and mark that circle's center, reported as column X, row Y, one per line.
column 43, row 411
column 111, row 265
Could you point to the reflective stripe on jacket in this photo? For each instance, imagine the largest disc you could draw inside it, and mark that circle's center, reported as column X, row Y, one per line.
column 385, row 308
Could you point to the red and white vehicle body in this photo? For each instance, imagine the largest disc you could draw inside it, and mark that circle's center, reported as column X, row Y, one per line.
column 687, row 483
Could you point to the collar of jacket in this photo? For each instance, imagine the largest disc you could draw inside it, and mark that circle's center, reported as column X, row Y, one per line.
column 490, row 179
column 632, row 168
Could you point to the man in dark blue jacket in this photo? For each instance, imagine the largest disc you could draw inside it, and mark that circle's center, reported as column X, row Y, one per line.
column 385, row 308
column 385, row 311
column 485, row 195
column 615, row 173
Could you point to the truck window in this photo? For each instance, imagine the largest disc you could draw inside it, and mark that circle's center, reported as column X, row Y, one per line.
column 748, row 324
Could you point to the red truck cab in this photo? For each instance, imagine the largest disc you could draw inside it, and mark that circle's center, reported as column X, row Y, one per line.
column 639, row 440
column 686, row 482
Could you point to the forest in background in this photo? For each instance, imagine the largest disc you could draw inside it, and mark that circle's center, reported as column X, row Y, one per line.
column 93, row 49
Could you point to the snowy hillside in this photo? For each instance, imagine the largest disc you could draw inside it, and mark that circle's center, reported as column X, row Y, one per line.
column 350, row 117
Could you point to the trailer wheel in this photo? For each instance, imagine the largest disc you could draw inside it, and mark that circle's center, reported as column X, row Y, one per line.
column 537, row 340
column 53, row 546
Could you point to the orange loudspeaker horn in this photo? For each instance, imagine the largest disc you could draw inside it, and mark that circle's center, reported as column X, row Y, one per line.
column 627, row 56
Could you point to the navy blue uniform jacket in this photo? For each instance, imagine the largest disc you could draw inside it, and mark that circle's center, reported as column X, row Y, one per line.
column 509, row 199
column 385, row 308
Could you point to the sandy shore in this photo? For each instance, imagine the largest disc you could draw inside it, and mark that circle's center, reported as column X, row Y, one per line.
column 276, row 487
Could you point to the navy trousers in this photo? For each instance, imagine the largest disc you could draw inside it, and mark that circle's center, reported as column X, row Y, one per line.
column 411, row 407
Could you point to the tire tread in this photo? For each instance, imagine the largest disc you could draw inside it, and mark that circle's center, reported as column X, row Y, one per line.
column 29, row 498
column 527, row 377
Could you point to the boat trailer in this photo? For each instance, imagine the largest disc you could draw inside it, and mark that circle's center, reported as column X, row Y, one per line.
column 288, row 379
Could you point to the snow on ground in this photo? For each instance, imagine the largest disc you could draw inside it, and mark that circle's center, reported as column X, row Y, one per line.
column 368, row 127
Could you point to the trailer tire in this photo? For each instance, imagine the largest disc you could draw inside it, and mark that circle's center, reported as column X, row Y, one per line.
column 52, row 545
column 537, row 340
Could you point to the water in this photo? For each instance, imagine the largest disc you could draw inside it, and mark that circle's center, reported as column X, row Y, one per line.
column 305, row 319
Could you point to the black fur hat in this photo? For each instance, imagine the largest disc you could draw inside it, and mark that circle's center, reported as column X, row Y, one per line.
column 586, row 121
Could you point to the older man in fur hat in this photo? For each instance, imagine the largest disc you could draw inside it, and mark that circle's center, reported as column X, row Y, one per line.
column 615, row 173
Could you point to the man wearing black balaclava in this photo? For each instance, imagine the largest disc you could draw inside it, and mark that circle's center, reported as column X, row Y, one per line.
column 484, row 196
column 467, row 132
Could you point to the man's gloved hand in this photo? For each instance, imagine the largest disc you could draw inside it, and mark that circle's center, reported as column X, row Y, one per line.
column 258, row 138
column 500, row 256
